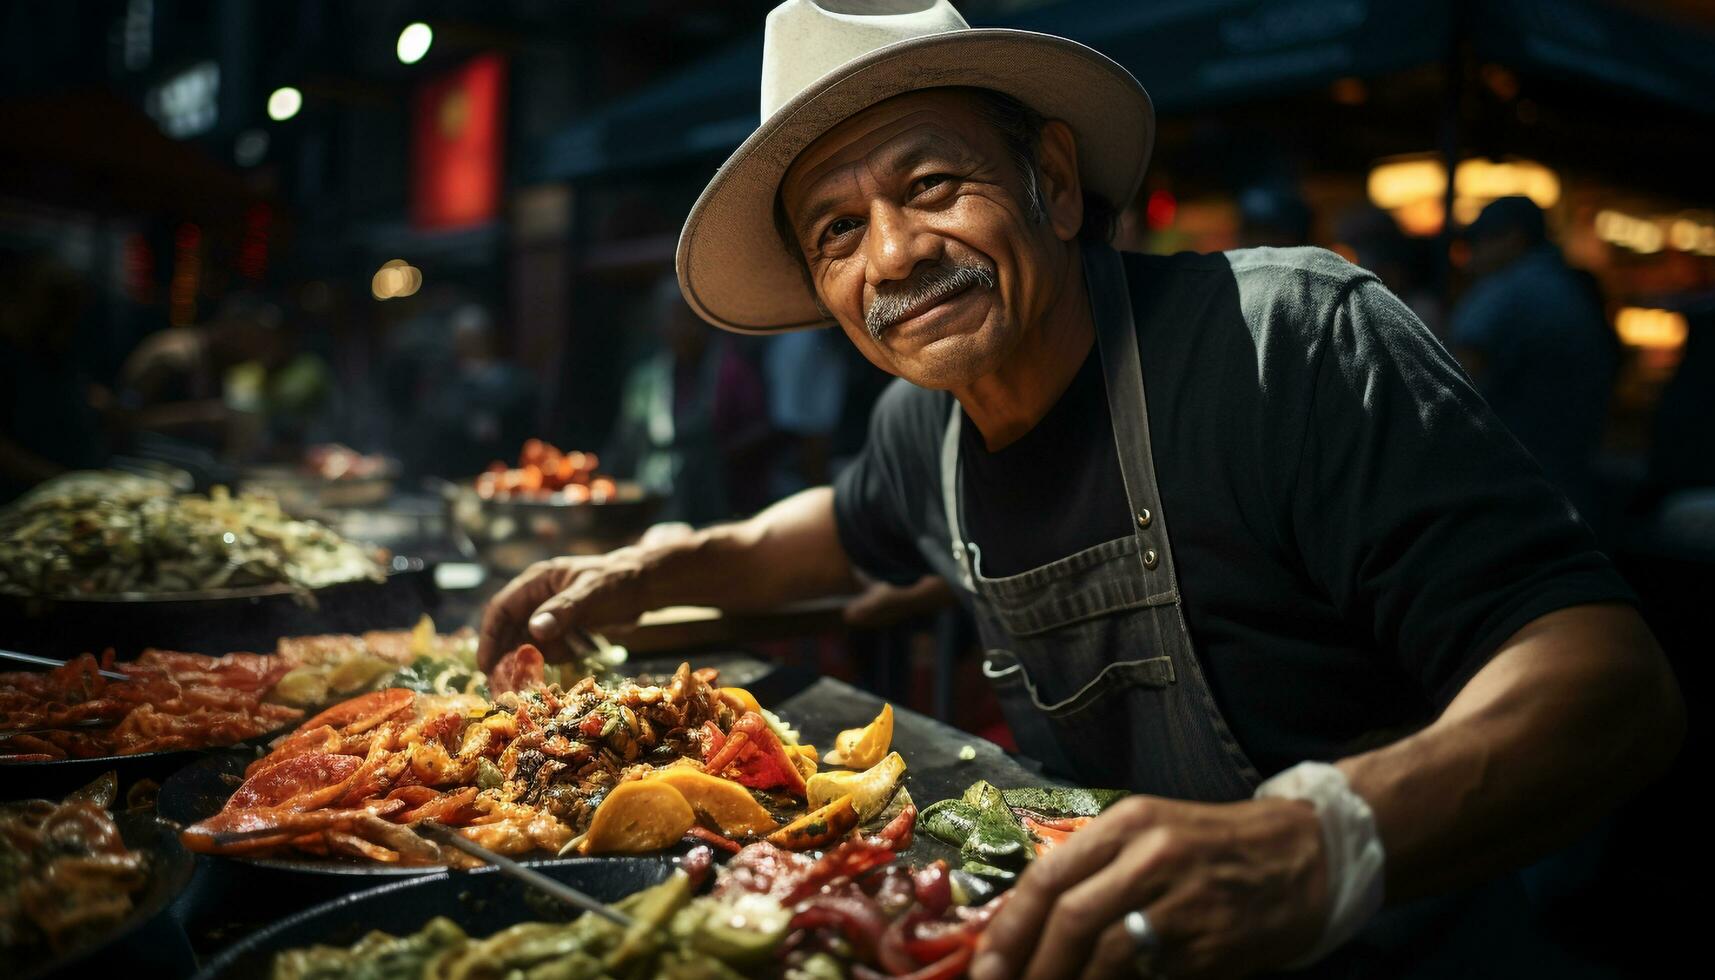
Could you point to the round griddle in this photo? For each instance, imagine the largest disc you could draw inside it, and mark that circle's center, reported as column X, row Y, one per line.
column 482, row 902
column 148, row 941
column 215, row 622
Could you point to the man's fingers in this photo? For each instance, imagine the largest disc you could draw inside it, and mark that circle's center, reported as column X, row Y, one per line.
column 503, row 620
column 1009, row 940
column 1088, row 909
column 1115, row 955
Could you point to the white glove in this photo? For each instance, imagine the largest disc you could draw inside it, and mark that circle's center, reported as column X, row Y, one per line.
column 1355, row 856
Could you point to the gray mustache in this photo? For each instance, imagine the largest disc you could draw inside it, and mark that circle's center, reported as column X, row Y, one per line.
column 894, row 301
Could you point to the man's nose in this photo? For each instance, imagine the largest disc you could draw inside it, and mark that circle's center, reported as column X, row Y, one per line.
column 896, row 244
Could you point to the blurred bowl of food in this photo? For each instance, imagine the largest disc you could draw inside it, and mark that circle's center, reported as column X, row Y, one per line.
column 551, row 503
column 328, row 478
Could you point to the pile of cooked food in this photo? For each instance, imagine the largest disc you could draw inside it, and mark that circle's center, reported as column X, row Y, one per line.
column 167, row 701
column 66, row 875
column 770, row 912
column 334, row 461
column 544, row 472
column 174, row 700
column 999, row 831
column 633, row 767
column 109, row 534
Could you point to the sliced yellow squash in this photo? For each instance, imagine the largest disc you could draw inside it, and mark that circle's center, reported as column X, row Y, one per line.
column 726, row 803
column 860, row 748
column 638, row 815
column 870, row 790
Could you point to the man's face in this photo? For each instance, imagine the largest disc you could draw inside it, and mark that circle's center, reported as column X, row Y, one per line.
column 912, row 218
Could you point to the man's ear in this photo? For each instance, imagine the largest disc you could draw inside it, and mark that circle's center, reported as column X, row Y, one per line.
column 1062, row 191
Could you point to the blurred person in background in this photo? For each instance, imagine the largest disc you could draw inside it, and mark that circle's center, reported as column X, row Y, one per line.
column 486, row 408
column 206, row 384
column 806, row 376
column 693, row 419
column 49, row 422
column 1680, row 481
column 1532, row 334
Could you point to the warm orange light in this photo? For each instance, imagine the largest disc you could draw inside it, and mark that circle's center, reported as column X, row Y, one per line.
column 1414, row 188
column 1651, row 329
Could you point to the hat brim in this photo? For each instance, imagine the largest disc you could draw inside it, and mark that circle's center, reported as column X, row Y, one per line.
column 736, row 272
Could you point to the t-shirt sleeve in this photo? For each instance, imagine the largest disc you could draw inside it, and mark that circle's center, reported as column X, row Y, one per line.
column 1420, row 515
column 871, row 495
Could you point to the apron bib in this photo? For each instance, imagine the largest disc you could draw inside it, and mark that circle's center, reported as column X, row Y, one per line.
column 1089, row 655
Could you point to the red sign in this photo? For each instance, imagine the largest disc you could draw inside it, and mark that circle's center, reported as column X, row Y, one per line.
column 458, row 128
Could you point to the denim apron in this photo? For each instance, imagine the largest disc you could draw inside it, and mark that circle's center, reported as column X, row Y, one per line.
column 1098, row 679
column 1089, row 654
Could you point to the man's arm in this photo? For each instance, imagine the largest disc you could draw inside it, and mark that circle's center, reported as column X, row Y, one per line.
column 1575, row 712
column 787, row 552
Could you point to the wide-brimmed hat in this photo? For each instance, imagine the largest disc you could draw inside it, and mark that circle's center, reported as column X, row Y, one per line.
column 822, row 61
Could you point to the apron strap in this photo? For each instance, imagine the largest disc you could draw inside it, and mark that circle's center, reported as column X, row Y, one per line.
column 950, row 494
column 1122, row 368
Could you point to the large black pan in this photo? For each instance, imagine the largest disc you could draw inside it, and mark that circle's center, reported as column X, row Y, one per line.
column 149, row 941
column 481, row 902
column 216, row 622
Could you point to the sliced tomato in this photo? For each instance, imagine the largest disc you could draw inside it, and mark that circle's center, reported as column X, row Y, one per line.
column 278, row 784
column 364, row 711
column 517, row 671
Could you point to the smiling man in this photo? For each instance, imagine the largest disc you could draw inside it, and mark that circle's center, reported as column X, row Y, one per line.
column 1236, row 532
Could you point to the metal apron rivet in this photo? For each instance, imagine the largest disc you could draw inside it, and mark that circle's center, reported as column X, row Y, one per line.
column 1144, row 517
column 1151, row 559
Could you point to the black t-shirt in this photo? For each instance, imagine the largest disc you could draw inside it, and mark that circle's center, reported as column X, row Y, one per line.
column 1354, row 532
column 1053, row 491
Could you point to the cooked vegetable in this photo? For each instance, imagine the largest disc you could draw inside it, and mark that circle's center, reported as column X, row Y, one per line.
column 997, row 831
column 96, row 534
column 770, row 913
column 726, row 803
column 870, row 789
column 1062, row 801
column 860, row 748
column 66, row 876
column 638, row 815
column 818, row 827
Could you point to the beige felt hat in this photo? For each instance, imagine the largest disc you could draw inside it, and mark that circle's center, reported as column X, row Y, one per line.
column 823, row 60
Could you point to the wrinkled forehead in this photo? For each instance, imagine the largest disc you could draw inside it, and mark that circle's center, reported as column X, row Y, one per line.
column 944, row 122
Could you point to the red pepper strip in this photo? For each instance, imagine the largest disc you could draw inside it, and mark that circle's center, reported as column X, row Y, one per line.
column 858, row 919
column 1067, row 824
column 707, row 836
column 934, row 887
column 849, row 860
column 713, row 739
column 935, row 940
column 953, row 965
column 897, row 834
column 1051, row 832
column 891, row 951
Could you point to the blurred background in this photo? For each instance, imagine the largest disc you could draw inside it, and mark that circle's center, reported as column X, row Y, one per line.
column 434, row 237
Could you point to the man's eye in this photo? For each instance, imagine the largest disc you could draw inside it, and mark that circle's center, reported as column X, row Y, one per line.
column 839, row 226
column 929, row 183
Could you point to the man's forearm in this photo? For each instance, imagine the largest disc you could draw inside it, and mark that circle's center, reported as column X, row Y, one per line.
column 1575, row 713
column 788, row 552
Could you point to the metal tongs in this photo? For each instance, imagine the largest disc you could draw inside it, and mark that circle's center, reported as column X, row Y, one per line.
column 35, row 661
column 442, row 834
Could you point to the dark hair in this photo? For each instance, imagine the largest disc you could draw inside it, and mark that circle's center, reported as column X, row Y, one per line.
column 1020, row 129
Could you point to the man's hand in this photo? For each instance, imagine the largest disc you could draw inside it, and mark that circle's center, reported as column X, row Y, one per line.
column 790, row 551
column 1230, row 888
column 550, row 597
